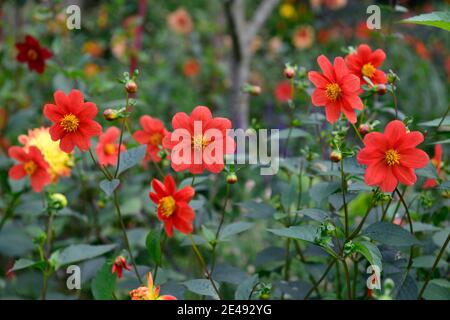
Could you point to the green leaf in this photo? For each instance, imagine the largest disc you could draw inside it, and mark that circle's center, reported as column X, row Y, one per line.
column 439, row 19
column 104, row 283
column 440, row 237
column 428, row 172
column 422, row 227
column 295, row 133
column 427, row 262
column 234, row 228
column 208, row 234
column 390, row 234
column 306, row 233
column 202, row 287
column 437, row 291
column 435, row 122
column 131, row 157
column 108, row 187
column 322, row 190
column 244, row 290
column 79, row 252
column 315, row 214
column 26, row 263
column 258, row 210
column 153, row 244
column 370, row 252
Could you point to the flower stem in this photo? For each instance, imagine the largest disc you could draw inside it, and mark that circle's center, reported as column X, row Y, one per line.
column 121, row 136
column 330, row 265
column 222, row 219
column 203, row 265
column 347, row 279
column 435, row 264
column 357, row 133
column 343, row 187
column 125, row 237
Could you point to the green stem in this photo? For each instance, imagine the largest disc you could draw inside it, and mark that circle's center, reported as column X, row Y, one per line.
column 435, row 264
column 344, row 188
column 203, row 265
column 347, row 279
column 330, row 265
column 121, row 136
column 288, row 259
column 357, row 133
column 47, row 250
column 222, row 219
column 125, row 237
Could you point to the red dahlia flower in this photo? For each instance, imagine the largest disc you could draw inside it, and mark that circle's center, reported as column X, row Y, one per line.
column 32, row 163
column 152, row 135
column 120, row 263
column 392, row 156
column 148, row 292
column 337, row 89
column 33, row 54
column 199, row 141
column 283, row 91
column 107, row 148
column 431, row 183
column 173, row 208
column 365, row 63
column 72, row 119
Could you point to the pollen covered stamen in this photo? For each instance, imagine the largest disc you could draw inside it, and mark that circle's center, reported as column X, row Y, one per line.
column 155, row 139
column 199, row 142
column 167, row 206
column 32, row 54
column 30, row 167
column 392, row 157
column 110, row 149
column 368, row 70
column 333, row 91
column 70, row 123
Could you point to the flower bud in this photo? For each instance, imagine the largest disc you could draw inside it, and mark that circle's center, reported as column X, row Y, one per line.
column 364, row 129
column 110, row 114
column 289, row 72
column 335, row 156
column 131, row 86
column 251, row 89
column 392, row 77
column 57, row 201
column 232, row 178
column 381, row 89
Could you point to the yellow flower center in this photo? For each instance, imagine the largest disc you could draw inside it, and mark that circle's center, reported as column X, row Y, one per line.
column 30, row 167
column 199, row 142
column 110, row 149
column 32, row 54
column 155, row 139
column 70, row 123
column 167, row 206
column 368, row 70
column 141, row 293
column 392, row 157
column 333, row 91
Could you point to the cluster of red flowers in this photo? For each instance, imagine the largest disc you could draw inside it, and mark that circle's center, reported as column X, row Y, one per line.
column 339, row 85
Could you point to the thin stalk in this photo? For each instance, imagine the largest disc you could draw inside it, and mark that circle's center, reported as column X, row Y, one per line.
column 47, row 250
column 219, row 228
column 203, row 265
column 288, row 259
column 125, row 237
column 357, row 133
column 344, row 188
column 411, row 229
column 121, row 136
column 347, row 279
column 330, row 265
column 443, row 118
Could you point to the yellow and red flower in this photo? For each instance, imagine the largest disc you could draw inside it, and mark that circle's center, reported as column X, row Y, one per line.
column 107, row 149
column 72, row 118
column 365, row 63
column 60, row 162
column 31, row 163
column 392, row 156
column 120, row 263
column 336, row 88
column 149, row 292
column 152, row 135
column 33, row 54
column 436, row 161
column 173, row 207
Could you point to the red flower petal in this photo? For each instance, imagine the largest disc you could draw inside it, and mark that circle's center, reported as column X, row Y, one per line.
column 404, row 175
column 394, row 131
column 327, row 67
column 17, row 172
column 318, row 79
column 414, row 158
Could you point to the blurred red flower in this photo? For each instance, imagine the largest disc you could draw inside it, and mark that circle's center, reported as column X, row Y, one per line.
column 72, row 119
column 362, row 32
column 173, row 207
column 120, row 263
column 191, row 68
column 152, row 135
column 303, row 37
column 337, row 89
column 392, row 156
column 33, row 54
column 365, row 63
column 431, row 183
column 107, row 148
column 202, row 135
column 148, row 292
column 283, row 91
column 180, row 21
column 33, row 164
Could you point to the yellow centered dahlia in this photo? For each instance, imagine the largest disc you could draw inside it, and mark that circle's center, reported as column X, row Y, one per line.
column 60, row 163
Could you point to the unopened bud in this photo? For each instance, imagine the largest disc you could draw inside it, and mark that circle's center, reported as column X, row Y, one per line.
column 392, row 77
column 232, row 178
column 57, row 201
column 289, row 72
column 364, row 129
column 110, row 114
column 335, row 156
column 251, row 89
column 131, row 86
column 381, row 89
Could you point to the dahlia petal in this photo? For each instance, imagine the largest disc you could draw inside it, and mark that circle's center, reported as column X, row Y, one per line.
column 67, row 143
column 350, row 84
column 159, row 188
column 181, row 222
column 376, row 140
column 201, row 113
column 375, row 173
column 353, row 102
column 364, row 51
column 327, row 67
column 318, row 79
column 31, row 41
column 168, row 227
column 142, row 137
column 377, row 58
column 38, row 65
column 389, row 183
column 379, row 77
column 17, row 172
column 368, row 155
column 319, row 98
column 76, row 99
column 82, row 141
column 430, row 183
column 39, row 180
column 411, row 140
column 219, row 123
column 154, row 197
column 46, row 53
column 350, row 114
column 340, row 68
column 185, row 194
column 229, row 146
column 404, row 174
column 91, row 128
column 169, row 183
column 414, row 158
column 57, row 132
column 394, row 131
column 181, row 120
column 18, row 153
column 332, row 112
column 53, row 112
column 87, row 111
